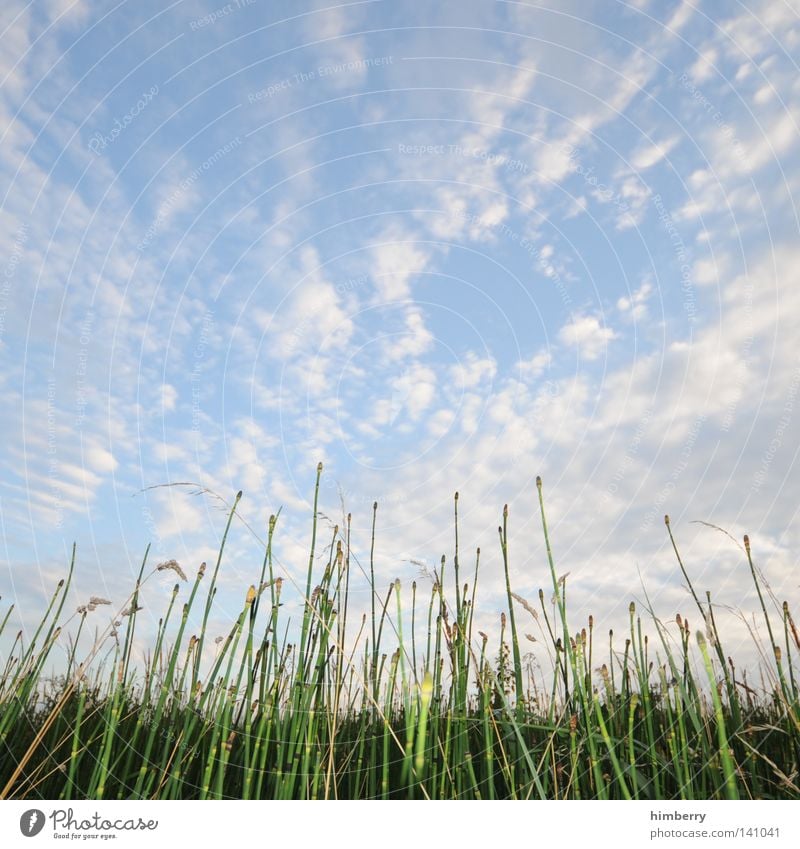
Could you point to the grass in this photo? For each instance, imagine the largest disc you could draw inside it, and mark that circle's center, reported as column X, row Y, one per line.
column 430, row 712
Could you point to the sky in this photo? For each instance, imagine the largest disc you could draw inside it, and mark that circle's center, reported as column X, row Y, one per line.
column 437, row 247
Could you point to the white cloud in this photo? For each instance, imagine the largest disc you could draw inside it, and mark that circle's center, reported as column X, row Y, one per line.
column 587, row 335
column 99, row 458
column 395, row 262
column 635, row 306
column 649, row 154
column 473, row 370
column 169, row 396
column 703, row 68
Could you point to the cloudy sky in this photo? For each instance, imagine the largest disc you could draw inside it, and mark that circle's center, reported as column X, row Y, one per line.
column 436, row 246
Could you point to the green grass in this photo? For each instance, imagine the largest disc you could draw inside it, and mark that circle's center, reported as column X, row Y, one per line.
column 374, row 707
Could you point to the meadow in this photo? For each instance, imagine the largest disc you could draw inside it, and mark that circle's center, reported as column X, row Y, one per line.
column 405, row 701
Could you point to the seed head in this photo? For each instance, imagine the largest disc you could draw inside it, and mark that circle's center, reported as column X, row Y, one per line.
column 96, row 600
column 173, row 566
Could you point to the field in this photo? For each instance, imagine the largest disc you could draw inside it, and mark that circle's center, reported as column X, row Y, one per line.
column 404, row 702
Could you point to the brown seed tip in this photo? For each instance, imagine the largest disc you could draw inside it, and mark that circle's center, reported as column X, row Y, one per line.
column 666, row 519
column 251, row 595
column 319, row 468
column 455, row 497
column 777, row 653
column 632, row 608
column 747, row 543
column 538, row 482
column 374, row 505
column 591, row 621
column 238, row 495
column 505, row 510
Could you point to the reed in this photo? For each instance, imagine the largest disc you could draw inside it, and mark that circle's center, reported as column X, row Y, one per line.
column 365, row 706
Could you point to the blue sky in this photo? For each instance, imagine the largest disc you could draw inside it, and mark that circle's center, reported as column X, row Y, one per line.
column 438, row 247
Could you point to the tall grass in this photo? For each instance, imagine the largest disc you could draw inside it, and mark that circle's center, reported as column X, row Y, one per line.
column 431, row 712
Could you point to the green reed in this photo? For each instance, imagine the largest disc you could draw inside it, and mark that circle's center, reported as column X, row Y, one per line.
column 368, row 707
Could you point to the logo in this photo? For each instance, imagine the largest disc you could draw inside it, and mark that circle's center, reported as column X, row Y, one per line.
column 31, row 822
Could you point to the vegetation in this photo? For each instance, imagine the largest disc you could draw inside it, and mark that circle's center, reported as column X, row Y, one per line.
column 378, row 708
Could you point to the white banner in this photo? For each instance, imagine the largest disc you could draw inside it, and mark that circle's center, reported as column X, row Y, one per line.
column 401, row 824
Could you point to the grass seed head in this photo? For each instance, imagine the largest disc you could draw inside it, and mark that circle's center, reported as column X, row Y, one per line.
column 171, row 565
